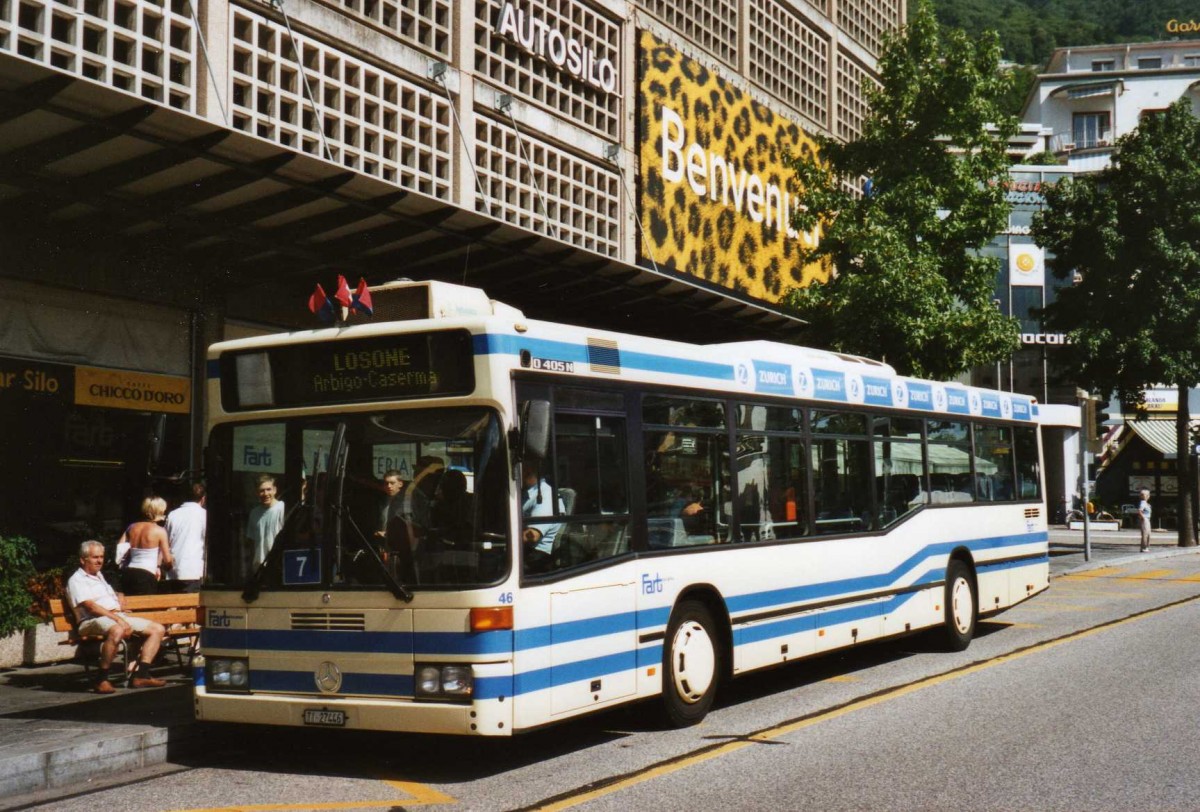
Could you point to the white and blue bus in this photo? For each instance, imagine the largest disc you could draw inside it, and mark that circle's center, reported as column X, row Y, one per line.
column 586, row 518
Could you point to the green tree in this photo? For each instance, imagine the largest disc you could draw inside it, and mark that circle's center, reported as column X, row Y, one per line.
column 909, row 283
column 1132, row 234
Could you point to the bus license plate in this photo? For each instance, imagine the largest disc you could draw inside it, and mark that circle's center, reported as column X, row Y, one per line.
column 325, row 718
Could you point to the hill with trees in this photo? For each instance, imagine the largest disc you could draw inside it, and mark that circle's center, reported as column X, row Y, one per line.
column 1030, row 29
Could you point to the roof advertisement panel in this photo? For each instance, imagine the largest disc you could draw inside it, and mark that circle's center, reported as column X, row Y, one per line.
column 716, row 193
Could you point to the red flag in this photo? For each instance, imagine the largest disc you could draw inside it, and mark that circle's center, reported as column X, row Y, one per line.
column 362, row 298
column 343, row 292
column 318, row 300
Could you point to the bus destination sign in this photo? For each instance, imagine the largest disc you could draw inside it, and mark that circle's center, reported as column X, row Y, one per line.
column 377, row 368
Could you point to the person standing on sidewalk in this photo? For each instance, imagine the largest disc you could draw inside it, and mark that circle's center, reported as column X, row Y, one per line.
column 185, row 530
column 1144, row 512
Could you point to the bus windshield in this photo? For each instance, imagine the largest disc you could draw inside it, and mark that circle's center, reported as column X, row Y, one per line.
column 403, row 500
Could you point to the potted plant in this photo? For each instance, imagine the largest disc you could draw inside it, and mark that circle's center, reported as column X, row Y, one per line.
column 16, row 568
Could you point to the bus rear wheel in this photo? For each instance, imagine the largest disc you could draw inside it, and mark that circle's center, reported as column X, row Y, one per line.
column 960, row 605
column 691, row 663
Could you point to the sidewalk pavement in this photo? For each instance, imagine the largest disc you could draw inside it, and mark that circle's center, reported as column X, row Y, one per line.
column 57, row 738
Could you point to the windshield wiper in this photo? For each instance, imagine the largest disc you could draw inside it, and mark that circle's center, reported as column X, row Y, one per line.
column 398, row 589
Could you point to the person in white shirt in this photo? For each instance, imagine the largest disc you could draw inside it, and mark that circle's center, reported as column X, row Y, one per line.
column 537, row 504
column 185, row 529
column 100, row 612
column 264, row 523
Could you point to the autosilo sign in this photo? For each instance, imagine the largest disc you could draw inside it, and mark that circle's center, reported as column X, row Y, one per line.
column 544, row 40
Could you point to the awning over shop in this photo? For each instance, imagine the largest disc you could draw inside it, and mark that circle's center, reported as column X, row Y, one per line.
column 1158, row 434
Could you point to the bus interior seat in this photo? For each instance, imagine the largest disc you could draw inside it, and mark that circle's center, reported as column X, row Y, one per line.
column 665, row 532
column 566, row 498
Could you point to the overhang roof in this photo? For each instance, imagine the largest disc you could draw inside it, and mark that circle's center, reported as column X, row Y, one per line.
column 109, row 184
column 1158, row 434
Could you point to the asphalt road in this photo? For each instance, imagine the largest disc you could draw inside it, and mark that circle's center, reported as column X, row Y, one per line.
column 1083, row 698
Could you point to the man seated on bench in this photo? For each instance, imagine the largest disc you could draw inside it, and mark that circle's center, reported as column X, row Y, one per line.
column 100, row 614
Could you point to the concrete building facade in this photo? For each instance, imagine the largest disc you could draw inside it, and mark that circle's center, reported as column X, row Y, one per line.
column 174, row 172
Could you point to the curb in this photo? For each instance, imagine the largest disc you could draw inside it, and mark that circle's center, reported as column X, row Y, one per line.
column 1130, row 558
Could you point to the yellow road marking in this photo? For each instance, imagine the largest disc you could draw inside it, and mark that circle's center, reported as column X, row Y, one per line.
column 784, row 729
column 1192, row 578
column 840, row 678
column 1104, row 572
column 1067, row 607
column 421, row 795
column 1151, row 575
column 1008, row 625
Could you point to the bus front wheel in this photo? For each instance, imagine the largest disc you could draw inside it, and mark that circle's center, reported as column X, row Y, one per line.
column 961, row 606
column 691, row 657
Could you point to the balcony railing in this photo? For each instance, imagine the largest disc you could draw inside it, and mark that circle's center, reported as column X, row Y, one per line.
column 1069, row 142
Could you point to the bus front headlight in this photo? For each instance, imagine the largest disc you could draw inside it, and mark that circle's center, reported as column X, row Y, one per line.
column 227, row 674
column 437, row 681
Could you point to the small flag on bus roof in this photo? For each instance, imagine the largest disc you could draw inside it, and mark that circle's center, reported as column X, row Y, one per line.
column 343, row 302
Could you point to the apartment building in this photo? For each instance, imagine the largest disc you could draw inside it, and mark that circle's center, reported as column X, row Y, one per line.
column 1089, row 97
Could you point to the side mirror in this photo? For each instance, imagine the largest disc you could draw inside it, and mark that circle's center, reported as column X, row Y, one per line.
column 535, row 430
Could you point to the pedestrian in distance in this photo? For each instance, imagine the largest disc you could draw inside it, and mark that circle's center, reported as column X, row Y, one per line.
column 186, row 527
column 100, row 611
column 1144, row 512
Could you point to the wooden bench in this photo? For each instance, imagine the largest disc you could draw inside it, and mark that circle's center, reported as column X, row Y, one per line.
column 178, row 612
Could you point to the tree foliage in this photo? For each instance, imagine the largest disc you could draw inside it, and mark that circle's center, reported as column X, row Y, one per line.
column 1132, row 234
column 910, row 286
column 1030, row 29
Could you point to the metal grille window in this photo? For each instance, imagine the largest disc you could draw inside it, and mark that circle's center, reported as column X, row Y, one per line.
column 868, row 21
column 582, row 199
column 139, row 46
column 711, row 24
column 789, row 59
column 531, row 72
column 424, row 23
column 374, row 121
column 852, row 108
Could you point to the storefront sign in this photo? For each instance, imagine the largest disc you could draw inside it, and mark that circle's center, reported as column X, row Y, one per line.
column 1026, row 265
column 717, row 191
column 1049, row 339
column 32, row 379
column 1183, row 27
column 1161, row 400
column 139, row 391
column 543, row 40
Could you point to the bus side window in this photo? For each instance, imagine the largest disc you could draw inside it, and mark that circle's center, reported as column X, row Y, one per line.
column 590, row 489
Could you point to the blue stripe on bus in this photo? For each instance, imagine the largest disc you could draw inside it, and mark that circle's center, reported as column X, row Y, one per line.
column 459, row 643
column 493, row 344
column 541, row 678
column 572, row 630
column 353, row 682
column 488, row 688
column 869, row 583
column 504, row 642
column 829, row 617
column 832, row 383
